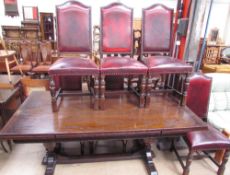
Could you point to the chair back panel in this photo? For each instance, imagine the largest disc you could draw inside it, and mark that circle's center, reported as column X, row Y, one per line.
column 26, row 51
column 73, row 27
column 198, row 94
column 46, row 51
column 157, row 29
column 117, row 29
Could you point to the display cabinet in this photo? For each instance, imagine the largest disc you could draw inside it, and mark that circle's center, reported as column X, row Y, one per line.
column 47, row 26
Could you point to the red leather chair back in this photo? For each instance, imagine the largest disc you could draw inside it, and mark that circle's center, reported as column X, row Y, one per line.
column 74, row 27
column 198, row 94
column 116, row 29
column 157, row 29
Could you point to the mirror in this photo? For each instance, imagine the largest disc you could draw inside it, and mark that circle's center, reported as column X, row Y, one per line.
column 30, row 13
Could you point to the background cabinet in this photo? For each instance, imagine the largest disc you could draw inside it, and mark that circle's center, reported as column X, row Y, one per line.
column 47, row 26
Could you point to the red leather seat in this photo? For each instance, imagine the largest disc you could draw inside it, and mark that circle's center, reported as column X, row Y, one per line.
column 74, row 37
column 157, row 39
column 122, row 66
column 71, row 66
column 210, row 139
column 117, row 38
column 166, row 65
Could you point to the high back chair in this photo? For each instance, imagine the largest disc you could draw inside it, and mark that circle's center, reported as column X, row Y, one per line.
column 116, row 50
column 197, row 100
column 73, row 38
column 28, row 58
column 45, row 61
column 156, row 50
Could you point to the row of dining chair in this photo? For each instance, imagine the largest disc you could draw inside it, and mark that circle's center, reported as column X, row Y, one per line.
column 116, row 52
column 35, row 57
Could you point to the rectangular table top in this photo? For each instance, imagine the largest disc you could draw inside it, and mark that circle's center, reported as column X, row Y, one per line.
column 121, row 119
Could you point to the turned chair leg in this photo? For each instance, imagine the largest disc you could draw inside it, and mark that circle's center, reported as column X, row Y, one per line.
column 224, row 161
column 53, row 95
column 188, row 163
column 183, row 89
column 96, row 91
column 148, row 91
column 102, row 92
column 142, row 91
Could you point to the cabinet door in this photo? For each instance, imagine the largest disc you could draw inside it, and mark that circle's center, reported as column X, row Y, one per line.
column 47, row 27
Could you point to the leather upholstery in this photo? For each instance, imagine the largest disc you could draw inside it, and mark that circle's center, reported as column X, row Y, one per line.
column 74, row 66
column 74, row 34
column 197, row 100
column 116, row 29
column 122, row 66
column 210, row 139
column 198, row 93
column 157, row 29
column 166, row 65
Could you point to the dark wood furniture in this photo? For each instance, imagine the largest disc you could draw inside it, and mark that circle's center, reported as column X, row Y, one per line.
column 116, row 52
column 74, row 37
column 213, row 59
column 164, row 71
column 29, row 54
column 30, row 33
column 8, row 104
column 12, row 36
column 6, row 95
column 47, row 26
column 121, row 120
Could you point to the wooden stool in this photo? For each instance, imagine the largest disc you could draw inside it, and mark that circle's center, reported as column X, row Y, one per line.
column 205, row 140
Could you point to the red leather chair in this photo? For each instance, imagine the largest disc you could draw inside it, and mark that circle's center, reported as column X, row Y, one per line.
column 156, row 49
column 117, row 39
column 211, row 139
column 73, row 38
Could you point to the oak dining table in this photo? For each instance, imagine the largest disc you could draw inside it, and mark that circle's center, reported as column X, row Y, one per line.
column 122, row 121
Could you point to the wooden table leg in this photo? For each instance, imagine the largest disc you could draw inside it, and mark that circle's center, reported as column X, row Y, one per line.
column 50, row 163
column 220, row 153
column 50, row 159
column 149, row 159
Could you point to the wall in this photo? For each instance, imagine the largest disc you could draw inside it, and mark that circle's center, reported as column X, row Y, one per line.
column 49, row 6
column 219, row 17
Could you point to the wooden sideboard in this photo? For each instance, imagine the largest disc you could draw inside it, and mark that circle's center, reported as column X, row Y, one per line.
column 212, row 59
